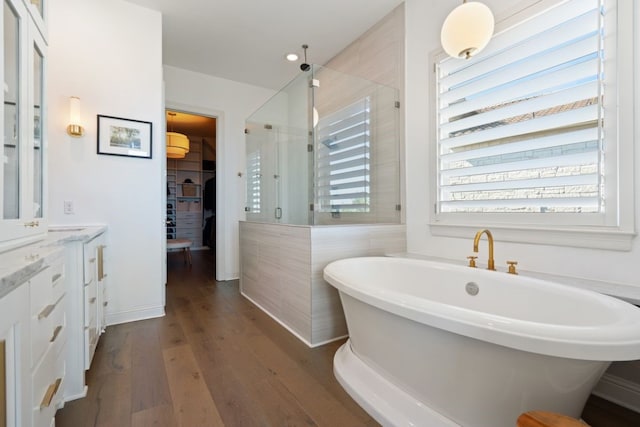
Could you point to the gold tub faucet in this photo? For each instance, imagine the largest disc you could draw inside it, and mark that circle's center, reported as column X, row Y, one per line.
column 491, row 263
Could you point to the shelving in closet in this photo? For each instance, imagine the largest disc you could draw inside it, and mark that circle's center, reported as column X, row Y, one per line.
column 187, row 188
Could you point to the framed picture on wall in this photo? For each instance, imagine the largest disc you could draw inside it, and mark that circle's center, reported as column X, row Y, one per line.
column 124, row 137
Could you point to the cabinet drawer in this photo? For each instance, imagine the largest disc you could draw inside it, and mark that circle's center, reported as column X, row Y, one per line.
column 58, row 282
column 41, row 291
column 192, row 206
column 48, row 386
column 48, row 285
column 188, row 233
column 89, row 261
column 46, row 329
column 90, row 342
column 189, row 223
column 195, row 216
column 90, row 303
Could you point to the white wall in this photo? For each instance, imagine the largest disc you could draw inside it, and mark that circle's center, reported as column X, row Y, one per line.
column 423, row 23
column 109, row 53
column 232, row 103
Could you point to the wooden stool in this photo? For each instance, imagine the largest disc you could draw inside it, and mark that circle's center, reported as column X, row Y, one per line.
column 184, row 244
column 547, row 419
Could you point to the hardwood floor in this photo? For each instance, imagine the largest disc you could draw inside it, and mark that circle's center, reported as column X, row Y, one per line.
column 217, row 360
column 602, row 413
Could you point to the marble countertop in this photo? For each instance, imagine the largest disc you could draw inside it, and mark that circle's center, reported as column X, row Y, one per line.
column 20, row 264
column 59, row 235
column 622, row 291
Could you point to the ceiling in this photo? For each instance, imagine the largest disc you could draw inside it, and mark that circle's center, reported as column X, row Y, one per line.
column 246, row 40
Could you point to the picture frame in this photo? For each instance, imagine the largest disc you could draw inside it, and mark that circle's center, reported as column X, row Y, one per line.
column 118, row 136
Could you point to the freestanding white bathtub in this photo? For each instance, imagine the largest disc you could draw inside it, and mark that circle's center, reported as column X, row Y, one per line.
column 423, row 350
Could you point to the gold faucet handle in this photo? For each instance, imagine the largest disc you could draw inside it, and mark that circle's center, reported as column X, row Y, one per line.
column 472, row 260
column 512, row 267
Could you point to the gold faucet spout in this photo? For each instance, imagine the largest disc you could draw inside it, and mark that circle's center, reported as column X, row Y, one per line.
column 491, row 263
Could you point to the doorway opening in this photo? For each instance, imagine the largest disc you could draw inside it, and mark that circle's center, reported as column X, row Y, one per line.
column 191, row 180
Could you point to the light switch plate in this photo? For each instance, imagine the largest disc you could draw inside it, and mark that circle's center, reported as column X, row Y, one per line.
column 68, row 207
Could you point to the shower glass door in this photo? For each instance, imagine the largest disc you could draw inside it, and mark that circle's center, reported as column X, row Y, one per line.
column 325, row 150
column 279, row 156
column 357, row 150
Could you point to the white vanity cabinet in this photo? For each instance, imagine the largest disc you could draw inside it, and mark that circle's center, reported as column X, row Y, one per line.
column 90, row 302
column 32, row 336
column 48, row 338
column 86, row 264
column 23, row 207
column 101, row 276
column 14, row 349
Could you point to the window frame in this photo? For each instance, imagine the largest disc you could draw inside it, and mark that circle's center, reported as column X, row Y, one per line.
column 615, row 229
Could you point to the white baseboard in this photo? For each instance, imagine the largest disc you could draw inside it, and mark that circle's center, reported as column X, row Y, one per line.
column 134, row 315
column 288, row 328
column 76, row 396
column 619, row 391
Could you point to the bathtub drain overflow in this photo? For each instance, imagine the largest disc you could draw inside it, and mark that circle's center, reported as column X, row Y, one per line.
column 472, row 288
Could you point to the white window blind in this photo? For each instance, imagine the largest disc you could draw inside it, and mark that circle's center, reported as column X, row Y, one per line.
column 520, row 129
column 343, row 160
column 254, row 178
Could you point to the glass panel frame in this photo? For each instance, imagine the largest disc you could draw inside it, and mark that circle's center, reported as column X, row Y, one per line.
column 13, row 94
column 36, row 121
column 284, row 134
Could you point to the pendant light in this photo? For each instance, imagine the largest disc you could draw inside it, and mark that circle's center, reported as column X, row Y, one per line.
column 467, row 30
column 177, row 143
column 305, row 66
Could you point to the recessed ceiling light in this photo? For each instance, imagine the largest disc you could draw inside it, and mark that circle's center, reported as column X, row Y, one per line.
column 292, row 57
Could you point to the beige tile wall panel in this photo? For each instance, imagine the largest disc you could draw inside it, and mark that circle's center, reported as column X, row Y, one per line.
column 334, row 243
column 281, row 270
column 378, row 54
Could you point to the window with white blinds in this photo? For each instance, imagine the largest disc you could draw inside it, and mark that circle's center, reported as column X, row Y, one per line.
column 342, row 162
column 520, row 129
column 254, row 178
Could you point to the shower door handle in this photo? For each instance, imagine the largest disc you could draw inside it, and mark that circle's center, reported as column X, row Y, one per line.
column 278, row 213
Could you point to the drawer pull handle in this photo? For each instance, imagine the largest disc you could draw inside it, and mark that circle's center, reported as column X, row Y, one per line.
column 56, row 277
column 46, row 312
column 51, row 391
column 56, row 332
column 92, row 300
column 48, row 309
column 92, row 260
column 106, row 303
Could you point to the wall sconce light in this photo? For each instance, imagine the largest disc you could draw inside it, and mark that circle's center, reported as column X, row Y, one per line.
column 75, row 128
column 467, row 30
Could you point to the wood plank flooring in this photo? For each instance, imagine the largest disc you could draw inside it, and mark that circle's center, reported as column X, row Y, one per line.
column 217, row 360
column 214, row 360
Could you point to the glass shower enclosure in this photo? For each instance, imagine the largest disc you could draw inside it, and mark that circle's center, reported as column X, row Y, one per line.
column 325, row 150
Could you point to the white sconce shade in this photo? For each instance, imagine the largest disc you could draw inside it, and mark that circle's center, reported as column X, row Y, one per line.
column 75, row 123
column 467, row 30
column 177, row 145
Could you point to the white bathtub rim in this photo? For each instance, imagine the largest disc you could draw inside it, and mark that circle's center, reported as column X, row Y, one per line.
column 385, row 402
column 615, row 342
